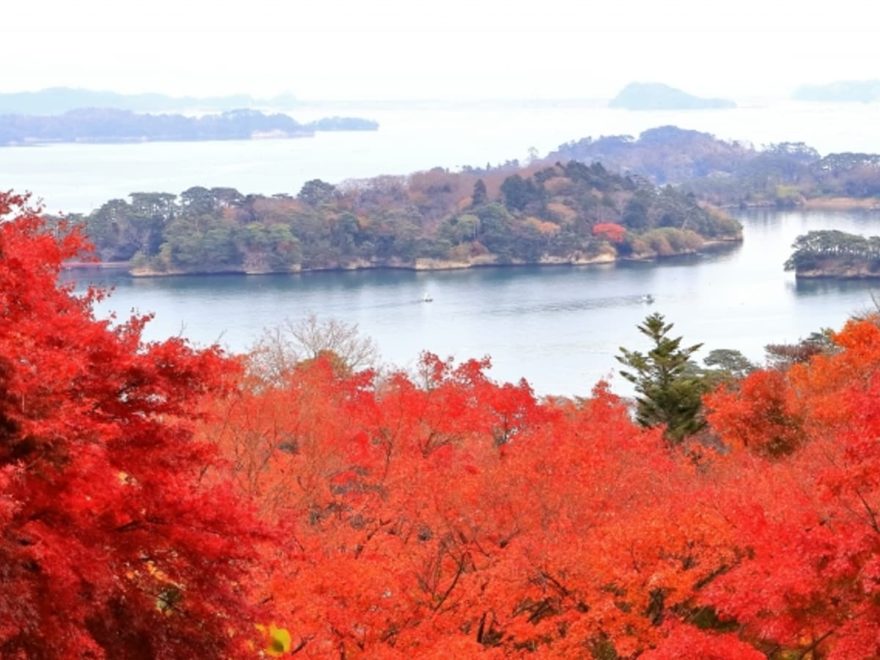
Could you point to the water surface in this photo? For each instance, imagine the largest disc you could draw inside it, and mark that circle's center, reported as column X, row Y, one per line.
column 557, row 326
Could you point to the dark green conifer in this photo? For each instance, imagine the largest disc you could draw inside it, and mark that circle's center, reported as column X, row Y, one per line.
column 668, row 384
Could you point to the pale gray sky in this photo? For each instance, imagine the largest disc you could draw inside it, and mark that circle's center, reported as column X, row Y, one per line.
column 392, row 49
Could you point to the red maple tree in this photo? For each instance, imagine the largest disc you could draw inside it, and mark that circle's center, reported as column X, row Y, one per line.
column 109, row 544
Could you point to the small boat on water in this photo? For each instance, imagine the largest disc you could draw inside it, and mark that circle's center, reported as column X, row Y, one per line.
column 427, row 298
column 647, row 299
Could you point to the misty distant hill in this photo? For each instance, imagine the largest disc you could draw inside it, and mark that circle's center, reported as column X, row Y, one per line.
column 111, row 125
column 851, row 91
column 57, row 100
column 666, row 154
column 786, row 174
column 657, row 96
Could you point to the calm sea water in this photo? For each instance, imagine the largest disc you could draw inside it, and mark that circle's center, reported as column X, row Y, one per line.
column 80, row 177
column 559, row 327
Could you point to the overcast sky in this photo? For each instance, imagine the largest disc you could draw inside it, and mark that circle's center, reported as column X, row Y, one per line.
column 394, row 49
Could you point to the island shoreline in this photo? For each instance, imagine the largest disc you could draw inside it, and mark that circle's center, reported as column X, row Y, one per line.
column 421, row 265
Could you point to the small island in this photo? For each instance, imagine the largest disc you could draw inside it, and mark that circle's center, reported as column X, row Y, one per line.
column 564, row 213
column 835, row 254
column 657, row 96
column 107, row 125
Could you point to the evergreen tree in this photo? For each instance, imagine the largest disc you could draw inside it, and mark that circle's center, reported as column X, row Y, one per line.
column 668, row 384
column 480, row 194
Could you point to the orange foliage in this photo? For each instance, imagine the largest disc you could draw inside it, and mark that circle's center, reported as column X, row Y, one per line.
column 610, row 231
column 542, row 226
column 559, row 210
column 807, row 523
column 447, row 515
column 760, row 415
column 389, row 559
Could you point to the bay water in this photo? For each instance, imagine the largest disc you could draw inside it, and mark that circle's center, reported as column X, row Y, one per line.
column 557, row 326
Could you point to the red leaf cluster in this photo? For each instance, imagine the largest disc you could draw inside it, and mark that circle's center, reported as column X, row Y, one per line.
column 610, row 231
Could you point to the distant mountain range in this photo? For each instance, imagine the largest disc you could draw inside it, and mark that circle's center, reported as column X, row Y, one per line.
column 853, row 91
column 57, row 100
column 657, row 96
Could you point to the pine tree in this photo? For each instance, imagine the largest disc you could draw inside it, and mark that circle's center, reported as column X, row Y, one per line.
column 480, row 195
column 668, row 384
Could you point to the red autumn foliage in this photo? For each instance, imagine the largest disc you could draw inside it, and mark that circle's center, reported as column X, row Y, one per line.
column 438, row 514
column 109, row 545
column 448, row 515
column 807, row 524
column 610, row 231
column 458, row 516
column 760, row 415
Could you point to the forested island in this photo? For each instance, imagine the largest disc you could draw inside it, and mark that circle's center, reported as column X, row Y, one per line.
column 113, row 125
column 657, row 96
column 566, row 213
column 783, row 175
column 835, row 254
